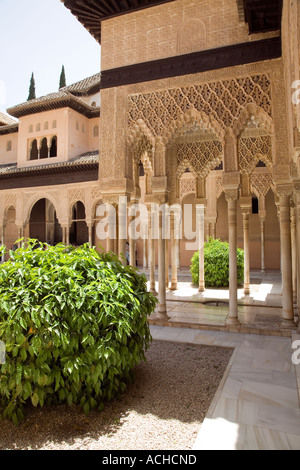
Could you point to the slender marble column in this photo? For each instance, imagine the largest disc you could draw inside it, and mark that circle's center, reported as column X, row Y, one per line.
column 145, row 253
column 294, row 251
column 178, row 253
column 132, row 244
column 21, row 234
column 152, row 254
column 63, row 235
column 246, row 214
column 286, row 262
column 162, row 307
column 67, row 235
column 90, row 228
column 121, row 224
column 232, row 197
column 167, row 264
column 112, row 232
column 262, row 243
column 174, row 278
column 297, row 192
column 201, row 232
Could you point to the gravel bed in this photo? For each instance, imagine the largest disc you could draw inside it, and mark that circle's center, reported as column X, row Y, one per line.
column 162, row 410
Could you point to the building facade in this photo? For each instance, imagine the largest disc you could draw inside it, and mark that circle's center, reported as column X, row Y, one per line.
column 199, row 108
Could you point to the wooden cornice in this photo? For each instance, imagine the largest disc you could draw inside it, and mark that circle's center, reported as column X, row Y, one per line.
column 197, row 62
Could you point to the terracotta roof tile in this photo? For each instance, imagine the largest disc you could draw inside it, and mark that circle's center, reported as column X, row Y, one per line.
column 6, row 120
column 51, row 101
column 84, row 87
column 84, row 159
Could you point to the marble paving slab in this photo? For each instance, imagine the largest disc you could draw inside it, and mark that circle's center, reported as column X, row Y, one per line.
column 257, row 404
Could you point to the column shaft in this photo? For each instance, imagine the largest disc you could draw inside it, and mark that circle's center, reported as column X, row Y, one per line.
column 262, row 244
column 286, row 262
column 145, row 253
column 174, row 278
column 132, row 244
column 294, row 252
column 152, row 255
column 178, row 253
column 201, row 234
column 90, row 227
column 246, row 253
column 162, row 307
column 167, row 264
column 298, row 249
column 232, row 319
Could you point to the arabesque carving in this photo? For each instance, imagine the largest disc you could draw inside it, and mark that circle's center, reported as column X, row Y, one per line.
column 261, row 183
column 204, row 156
column 252, row 150
column 222, row 100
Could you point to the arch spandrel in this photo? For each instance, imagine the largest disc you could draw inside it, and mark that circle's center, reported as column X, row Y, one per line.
column 138, row 130
column 221, row 107
column 198, row 119
column 224, row 101
column 184, row 165
column 251, row 110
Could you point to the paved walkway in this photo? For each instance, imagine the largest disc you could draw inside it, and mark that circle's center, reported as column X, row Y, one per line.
column 259, row 313
column 257, row 404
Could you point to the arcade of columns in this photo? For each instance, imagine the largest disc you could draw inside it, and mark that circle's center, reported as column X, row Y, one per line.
column 197, row 124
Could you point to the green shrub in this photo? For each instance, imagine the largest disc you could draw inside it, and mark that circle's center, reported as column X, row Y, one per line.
column 74, row 323
column 216, row 264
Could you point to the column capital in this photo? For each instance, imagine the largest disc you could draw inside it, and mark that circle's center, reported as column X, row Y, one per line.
column 201, row 202
column 284, row 190
column 231, row 194
column 161, row 197
column 65, row 224
column 20, row 225
column 231, row 180
column 114, row 199
column 246, row 205
column 262, row 216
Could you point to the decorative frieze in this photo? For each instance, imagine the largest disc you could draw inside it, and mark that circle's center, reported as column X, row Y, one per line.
column 223, row 100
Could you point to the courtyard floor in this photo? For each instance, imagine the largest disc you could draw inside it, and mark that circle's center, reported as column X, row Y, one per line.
column 257, row 403
column 259, row 313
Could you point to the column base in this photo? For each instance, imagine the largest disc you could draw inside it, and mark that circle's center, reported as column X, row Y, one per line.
column 247, row 291
column 232, row 321
column 153, row 291
column 174, row 286
column 288, row 324
column 201, row 289
column 162, row 313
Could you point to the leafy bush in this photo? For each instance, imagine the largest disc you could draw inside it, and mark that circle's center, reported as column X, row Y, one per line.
column 216, row 264
column 74, row 323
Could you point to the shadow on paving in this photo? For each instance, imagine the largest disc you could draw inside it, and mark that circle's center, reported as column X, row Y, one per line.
column 178, row 382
